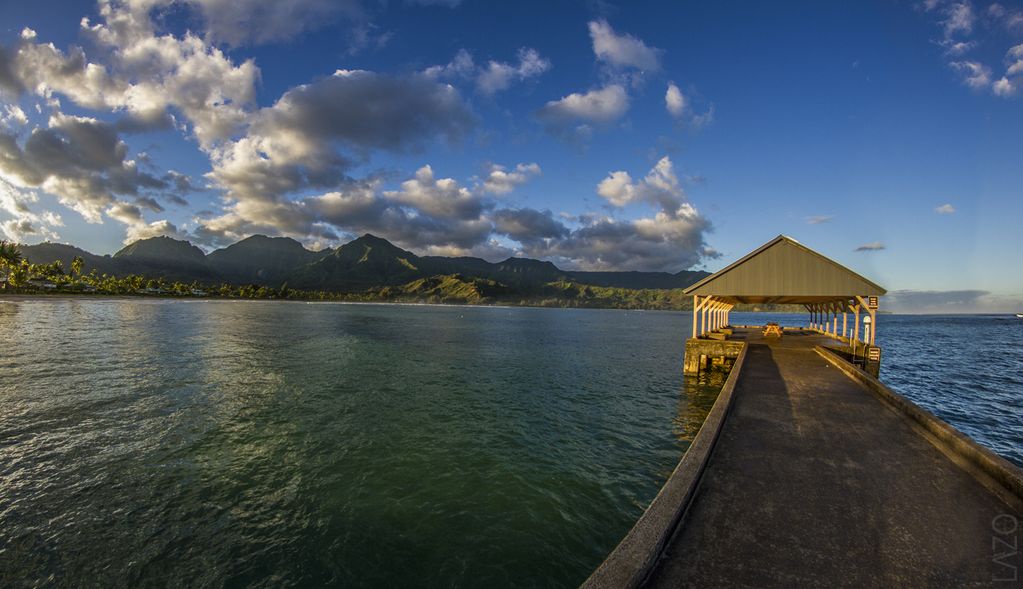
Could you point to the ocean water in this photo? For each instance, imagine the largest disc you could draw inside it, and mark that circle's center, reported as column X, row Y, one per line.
column 203, row 443
column 200, row 443
column 966, row 369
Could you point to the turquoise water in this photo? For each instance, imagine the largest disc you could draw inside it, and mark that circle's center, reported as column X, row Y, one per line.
column 161, row 442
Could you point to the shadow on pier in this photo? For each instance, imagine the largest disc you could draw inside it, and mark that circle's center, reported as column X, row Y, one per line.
column 814, row 481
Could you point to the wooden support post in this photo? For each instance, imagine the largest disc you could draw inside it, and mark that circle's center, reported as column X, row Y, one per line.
column 707, row 302
column 873, row 332
column 696, row 301
column 856, row 323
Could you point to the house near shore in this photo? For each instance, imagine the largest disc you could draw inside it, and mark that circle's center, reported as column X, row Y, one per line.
column 44, row 284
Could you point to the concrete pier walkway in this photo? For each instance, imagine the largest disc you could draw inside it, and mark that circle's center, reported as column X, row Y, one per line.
column 815, row 482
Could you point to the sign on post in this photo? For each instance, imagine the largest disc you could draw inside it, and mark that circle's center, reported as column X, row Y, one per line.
column 872, row 302
column 874, row 354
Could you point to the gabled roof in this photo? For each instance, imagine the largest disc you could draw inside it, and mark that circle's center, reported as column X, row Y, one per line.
column 784, row 271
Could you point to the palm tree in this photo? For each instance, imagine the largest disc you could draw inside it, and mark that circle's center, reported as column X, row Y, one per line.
column 10, row 258
column 76, row 265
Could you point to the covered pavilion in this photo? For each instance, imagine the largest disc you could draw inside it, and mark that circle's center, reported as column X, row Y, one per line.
column 784, row 271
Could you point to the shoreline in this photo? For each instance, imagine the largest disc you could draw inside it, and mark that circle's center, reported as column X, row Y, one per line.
column 24, row 298
column 27, row 297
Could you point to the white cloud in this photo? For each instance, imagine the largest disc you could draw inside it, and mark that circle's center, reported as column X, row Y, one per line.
column 137, row 227
column 606, row 104
column 80, row 160
column 442, row 197
column 24, row 222
column 622, row 51
column 819, row 219
column 13, row 115
column 154, row 229
column 45, row 70
column 1004, row 87
column 959, row 19
column 147, row 73
column 659, row 243
column 600, row 107
column 501, row 181
column 660, row 187
column 674, row 101
column 975, row 74
column 617, row 188
column 957, row 48
column 1014, row 59
column 1012, row 20
column 462, row 65
column 499, row 76
column 945, row 209
column 678, row 106
column 297, row 143
column 1008, row 84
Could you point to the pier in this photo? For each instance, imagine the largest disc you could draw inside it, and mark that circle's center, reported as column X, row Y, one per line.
column 808, row 470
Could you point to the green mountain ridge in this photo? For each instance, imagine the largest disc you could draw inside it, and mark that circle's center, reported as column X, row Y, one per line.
column 368, row 264
column 261, row 259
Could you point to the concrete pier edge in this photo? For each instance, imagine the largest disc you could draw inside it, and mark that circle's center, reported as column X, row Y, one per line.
column 636, row 556
column 985, row 466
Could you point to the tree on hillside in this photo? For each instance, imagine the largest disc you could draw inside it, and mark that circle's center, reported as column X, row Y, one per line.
column 10, row 259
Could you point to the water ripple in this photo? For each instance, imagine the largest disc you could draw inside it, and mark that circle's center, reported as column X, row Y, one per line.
column 277, row 444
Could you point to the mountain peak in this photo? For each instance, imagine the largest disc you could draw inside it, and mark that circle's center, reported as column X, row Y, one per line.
column 370, row 239
column 371, row 243
column 162, row 249
column 265, row 259
column 528, row 263
column 260, row 240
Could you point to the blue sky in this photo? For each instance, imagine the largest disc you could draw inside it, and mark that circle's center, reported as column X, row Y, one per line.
column 886, row 135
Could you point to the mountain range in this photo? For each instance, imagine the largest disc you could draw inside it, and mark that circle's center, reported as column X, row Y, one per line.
column 364, row 263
